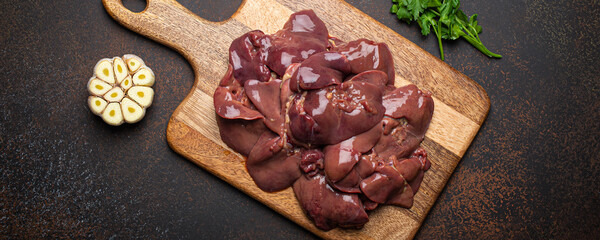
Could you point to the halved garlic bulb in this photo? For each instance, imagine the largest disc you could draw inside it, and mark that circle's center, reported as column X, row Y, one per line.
column 121, row 89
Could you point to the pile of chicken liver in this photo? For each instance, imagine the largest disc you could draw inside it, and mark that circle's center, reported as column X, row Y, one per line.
column 324, row 117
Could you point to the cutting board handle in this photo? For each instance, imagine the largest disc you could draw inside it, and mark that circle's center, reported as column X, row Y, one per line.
column 167, row 22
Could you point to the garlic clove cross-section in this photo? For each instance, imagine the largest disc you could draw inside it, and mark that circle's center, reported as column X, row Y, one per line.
column 120, row 69
column 114, row 95
column 112, row 114
column 144, row 77
column 97, row 105
column 98, row 87
column 142, row 95
column 133, row 62
column 104, row 71
column 132, row 112
column 120, row 89
column 126, row 83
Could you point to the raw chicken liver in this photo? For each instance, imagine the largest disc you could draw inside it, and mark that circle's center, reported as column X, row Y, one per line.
column 324, row 117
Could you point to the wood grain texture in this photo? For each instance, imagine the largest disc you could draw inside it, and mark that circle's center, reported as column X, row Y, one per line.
column 461, row 105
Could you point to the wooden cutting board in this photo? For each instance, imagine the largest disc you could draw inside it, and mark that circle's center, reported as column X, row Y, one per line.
column 461, row 105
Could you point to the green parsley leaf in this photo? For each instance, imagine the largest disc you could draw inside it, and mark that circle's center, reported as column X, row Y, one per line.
column 416, row 7
column 426, row 21
column 445, row 19
column 403, row 14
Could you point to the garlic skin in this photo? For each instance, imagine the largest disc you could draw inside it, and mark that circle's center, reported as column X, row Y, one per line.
column 120, row 89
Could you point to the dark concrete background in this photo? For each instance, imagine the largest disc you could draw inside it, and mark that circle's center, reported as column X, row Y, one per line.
column 532, row 171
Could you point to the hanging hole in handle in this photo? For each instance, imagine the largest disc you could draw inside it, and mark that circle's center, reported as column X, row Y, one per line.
column 214, row 11
column 135, row 6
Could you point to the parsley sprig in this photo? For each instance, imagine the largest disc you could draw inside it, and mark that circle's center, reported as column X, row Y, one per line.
column 445, row 19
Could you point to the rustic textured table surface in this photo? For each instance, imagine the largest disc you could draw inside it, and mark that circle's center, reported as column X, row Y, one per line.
column 532, row 171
